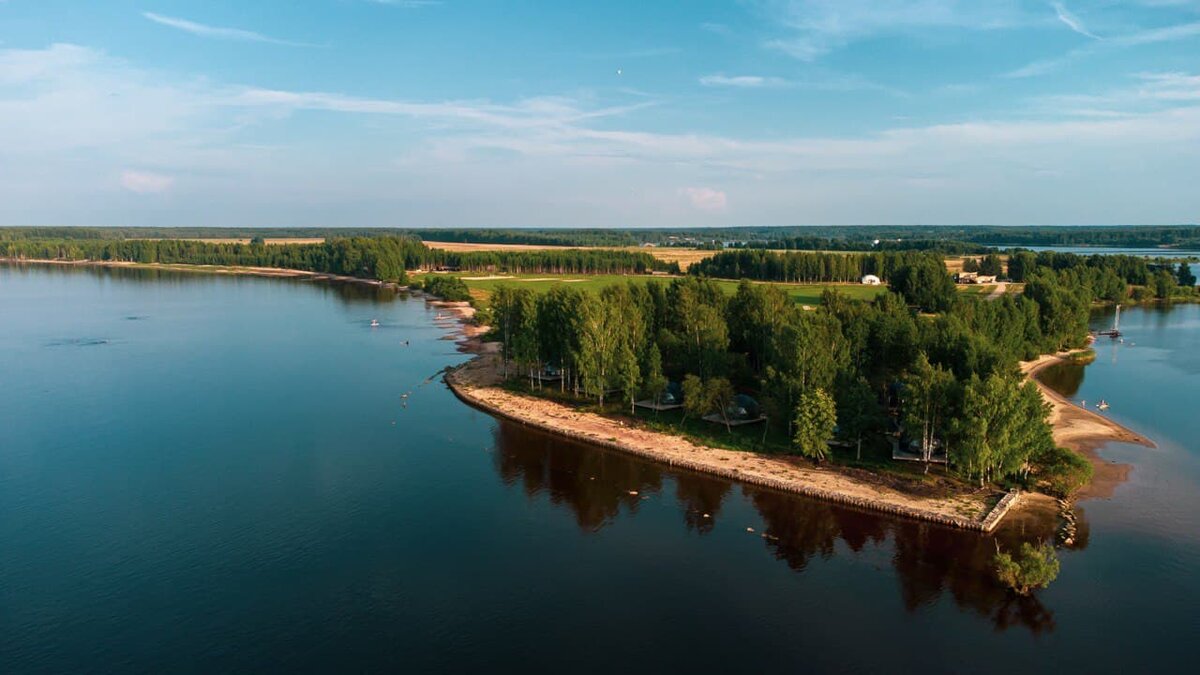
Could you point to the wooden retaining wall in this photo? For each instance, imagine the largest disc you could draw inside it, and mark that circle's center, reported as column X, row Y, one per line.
column 988, row 523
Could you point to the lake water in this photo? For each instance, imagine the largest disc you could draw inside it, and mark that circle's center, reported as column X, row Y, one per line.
column 203, row 473
column 1111, row 250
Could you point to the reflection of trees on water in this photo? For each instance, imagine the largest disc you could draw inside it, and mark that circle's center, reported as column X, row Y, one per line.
column 1064, row 378
column 929, row 561
column 593, row 485
column 700, row 496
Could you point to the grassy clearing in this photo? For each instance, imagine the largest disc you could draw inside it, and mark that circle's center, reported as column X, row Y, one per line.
column 482, row 285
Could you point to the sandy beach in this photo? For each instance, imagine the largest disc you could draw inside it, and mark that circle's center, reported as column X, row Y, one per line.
column 1084, row 431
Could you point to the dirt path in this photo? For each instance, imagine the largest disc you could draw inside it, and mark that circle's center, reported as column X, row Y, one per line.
column 998, row 290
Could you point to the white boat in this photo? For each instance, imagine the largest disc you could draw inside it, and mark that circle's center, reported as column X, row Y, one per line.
column 374, row 323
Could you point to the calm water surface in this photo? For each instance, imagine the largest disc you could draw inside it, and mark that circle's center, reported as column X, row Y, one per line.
column 219, row 474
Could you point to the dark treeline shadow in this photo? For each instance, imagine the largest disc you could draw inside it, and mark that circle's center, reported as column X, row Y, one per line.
column 930, row 561
column 593, row 484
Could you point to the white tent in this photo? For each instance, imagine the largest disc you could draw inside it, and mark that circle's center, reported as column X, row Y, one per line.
column 871, row 280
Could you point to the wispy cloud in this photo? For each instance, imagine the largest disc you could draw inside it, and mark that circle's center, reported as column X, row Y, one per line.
column 145, row 182
column 1135, row 39
column 218, row 32
column 743, row 81
column 1165, row 34
column 553, row 159
column 816, row 27
column 1072, row 21
column 705, row 198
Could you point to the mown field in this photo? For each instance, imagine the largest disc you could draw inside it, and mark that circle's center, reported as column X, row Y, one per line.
column 806, row 294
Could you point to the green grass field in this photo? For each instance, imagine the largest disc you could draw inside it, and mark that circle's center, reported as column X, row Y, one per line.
column 807, row 294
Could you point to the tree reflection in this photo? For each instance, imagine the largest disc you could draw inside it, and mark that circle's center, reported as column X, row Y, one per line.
column 929, row 561
column 592, row 483
column 701, row 498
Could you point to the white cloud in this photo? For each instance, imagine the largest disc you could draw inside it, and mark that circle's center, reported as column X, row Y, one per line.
column 1071, row 21
column 217, row 32
column 816, row 27
column 743, row 81
column 555, row 159
column 705, row 199
column 145, row 182
column 1136, row 39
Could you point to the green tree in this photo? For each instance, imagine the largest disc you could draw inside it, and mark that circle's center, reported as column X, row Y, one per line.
column 1033, row 567
column 858, row 412
column 991, row 265
column 694, row 402
column 925, row 283
column 1002, row 425
column 718, row 397
column 927, row 406
column 654, row 383
column 816, row 415
column 1164, row 284
column 1184, row 276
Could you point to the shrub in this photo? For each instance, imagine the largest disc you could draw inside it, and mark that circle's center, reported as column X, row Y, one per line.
column 1062, row 472
column 1033, row 567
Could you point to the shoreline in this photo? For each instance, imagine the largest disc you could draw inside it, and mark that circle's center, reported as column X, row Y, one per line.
column 474, row 382
column 1077, row 428
column 1085, row 431
column 232, row 270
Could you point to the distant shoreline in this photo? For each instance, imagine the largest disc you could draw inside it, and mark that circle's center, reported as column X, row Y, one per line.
column 236, row 270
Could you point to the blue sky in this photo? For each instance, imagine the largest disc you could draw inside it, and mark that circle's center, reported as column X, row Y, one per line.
column 666, row 113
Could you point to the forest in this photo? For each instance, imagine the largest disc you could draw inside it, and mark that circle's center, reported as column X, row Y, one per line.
column 385, row 257
column 951, row 239
column 944, row 375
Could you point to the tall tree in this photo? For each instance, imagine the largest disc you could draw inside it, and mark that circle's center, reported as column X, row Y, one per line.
column 858, row 411
column 816, row 416
column 927, row 406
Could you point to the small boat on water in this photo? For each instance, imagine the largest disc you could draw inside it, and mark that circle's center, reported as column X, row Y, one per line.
column 1102, row 405
column 374, row 323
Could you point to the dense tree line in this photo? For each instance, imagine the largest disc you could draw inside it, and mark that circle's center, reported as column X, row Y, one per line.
column 810, row 243
column 1105, row 277
column 805, row 267
column 952, row 375
column 946, row 239
column 385, row 258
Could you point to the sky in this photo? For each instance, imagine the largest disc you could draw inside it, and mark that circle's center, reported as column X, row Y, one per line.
column 461, row 113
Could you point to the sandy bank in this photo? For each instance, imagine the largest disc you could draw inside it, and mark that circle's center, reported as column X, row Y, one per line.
column 1084, row 431
column 476, row 382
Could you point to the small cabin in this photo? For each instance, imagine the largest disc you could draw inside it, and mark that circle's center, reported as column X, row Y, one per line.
column 870, row 280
